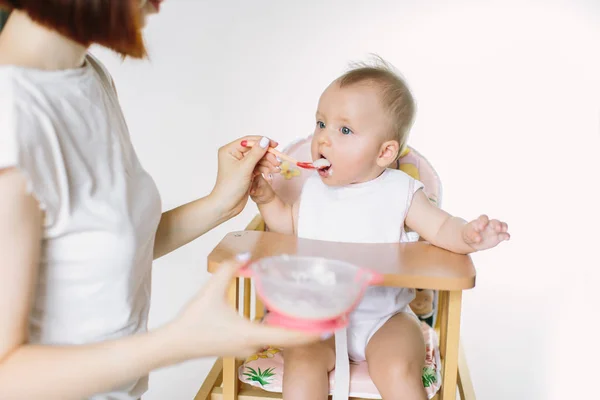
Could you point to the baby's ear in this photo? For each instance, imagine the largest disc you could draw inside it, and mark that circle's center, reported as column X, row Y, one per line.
column 388, row 153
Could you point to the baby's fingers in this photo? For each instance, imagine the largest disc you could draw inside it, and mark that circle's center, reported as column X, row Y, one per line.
column 504, row 236
column 475, row 237
column 495, row 225
column 471, row 234
column 265, row 171
column 267, row 167
column 272, row 165
column 481, row 223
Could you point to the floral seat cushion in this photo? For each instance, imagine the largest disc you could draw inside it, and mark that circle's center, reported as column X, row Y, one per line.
column 265, row 370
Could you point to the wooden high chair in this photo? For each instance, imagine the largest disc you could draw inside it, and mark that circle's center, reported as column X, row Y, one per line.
column 417, row 265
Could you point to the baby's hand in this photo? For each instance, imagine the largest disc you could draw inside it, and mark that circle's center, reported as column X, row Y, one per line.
column 261, row 191
column 482, row 234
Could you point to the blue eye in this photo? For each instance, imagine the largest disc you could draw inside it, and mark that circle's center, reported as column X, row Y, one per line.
column 321, row 124
column 346, row 130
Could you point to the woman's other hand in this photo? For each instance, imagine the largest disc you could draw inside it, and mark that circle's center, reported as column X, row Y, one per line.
column 209, row 326
column 236, row 169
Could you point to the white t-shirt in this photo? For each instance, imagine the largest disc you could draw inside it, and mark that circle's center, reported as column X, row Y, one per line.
column 369, row 212
column 65, row 131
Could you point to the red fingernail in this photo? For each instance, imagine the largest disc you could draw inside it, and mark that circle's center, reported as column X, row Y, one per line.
column 244, row 143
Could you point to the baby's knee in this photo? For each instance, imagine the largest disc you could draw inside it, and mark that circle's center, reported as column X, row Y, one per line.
column 401, row 371
column 314, row 354
column 299, row 352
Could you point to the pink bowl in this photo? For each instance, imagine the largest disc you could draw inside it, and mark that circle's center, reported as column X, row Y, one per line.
column 309, row 291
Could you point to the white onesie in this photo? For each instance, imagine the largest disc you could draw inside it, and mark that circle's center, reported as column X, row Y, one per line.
column 369, row 212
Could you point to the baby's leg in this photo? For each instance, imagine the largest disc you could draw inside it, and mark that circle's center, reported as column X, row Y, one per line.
column 305, row 370
column 395, row 357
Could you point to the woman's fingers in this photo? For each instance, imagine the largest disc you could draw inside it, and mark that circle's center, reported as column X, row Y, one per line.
column 272, row 159
column 256, row 140
column 208, row 326
column 262, row 335
column 238, row 155
column 219, row 282
column 266, row 163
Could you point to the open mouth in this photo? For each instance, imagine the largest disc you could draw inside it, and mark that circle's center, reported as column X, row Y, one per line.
column 323, row 166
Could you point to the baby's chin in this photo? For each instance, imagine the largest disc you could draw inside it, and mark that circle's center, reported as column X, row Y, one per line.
column 330, row 178
column 335, row 178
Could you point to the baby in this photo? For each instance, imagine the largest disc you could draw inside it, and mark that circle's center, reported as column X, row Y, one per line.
column 362, row 123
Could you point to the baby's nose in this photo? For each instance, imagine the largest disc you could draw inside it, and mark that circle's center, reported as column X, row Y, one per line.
column 324, row 138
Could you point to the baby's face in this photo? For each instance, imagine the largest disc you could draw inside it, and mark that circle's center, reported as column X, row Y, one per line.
column 351, row 127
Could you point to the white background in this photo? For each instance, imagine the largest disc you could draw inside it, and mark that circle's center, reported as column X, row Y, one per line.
column 508, row 112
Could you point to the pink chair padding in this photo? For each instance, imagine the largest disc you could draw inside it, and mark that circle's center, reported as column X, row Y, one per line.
column 265, row 370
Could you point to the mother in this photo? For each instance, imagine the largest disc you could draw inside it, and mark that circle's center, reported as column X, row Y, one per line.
column 81, row 222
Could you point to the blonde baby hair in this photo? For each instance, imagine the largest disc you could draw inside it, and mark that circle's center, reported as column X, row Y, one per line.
column 396, row 97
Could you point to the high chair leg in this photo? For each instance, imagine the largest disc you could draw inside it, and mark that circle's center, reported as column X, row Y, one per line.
column 442, row 320
column 212, row 380
column 247, row 297
column 465, row 385
column 259, row 309
column 449, row 342
column 230, row 378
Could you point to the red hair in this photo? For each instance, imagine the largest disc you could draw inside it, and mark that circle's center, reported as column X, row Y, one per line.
column 115, row 24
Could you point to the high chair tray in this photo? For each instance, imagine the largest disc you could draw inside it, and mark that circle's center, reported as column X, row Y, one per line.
column 415, row 264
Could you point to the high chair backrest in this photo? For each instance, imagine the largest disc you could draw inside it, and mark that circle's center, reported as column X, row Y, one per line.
column 288, row 184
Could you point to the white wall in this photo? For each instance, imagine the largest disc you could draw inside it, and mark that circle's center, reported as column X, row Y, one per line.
column 509, row 113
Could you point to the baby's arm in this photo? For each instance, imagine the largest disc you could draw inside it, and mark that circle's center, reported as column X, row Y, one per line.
column 278, row 215
column 452, row 233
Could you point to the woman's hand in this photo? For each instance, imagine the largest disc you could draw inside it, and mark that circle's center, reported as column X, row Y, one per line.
column 209, row 326
column 237, row 166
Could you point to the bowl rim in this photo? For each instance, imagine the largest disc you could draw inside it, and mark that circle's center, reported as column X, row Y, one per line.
column 305, row 258
column 359, row 272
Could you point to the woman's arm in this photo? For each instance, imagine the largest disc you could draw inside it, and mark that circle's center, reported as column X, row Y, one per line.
column 208, row 326
column 185, row 223
column 76, row 372
column 237, row 163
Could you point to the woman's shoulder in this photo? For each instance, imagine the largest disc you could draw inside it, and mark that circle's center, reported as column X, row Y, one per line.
column 102, row 71
column 13, row 88
column 22, row 139
column 16, row 107
column 21, row 105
